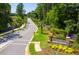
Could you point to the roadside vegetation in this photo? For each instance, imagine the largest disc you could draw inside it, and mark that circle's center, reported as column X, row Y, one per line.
column 38, row 37
column 61, row 20
column 8, row 20
column 32, row 49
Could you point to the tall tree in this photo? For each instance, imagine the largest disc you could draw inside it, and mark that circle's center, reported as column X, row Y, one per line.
column 5, row 19
column 20, row 10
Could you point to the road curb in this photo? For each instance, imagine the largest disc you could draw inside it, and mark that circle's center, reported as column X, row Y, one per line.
column 27, row 46
column 12, row 30
column 5, row 44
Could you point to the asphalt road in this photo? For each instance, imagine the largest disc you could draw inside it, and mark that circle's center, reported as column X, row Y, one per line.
column 19, row 40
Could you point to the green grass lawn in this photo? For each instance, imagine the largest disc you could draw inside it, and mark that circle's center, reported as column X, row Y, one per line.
column 42, row 38
column 39, row 37
column 32, row 49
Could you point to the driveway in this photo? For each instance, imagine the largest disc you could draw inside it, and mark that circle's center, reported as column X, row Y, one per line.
column 18, row 44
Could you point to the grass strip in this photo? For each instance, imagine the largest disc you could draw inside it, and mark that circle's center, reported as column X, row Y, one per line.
column 32, row 49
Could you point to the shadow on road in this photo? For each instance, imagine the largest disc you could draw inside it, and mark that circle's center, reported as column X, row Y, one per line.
column 10, row 36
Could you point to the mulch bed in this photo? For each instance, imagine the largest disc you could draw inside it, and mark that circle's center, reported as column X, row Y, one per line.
column 45, row 51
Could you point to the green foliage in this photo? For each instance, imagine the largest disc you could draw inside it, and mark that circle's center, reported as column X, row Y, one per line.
column 5, row 9
column 57, row 30
column 60, row 36
column 42, row 38
column 32, row 14
column 42, row 9
column 58, row 33
column 69, row 26
column 20, row 14
column 32, row 49
column 19, row 10
column 77, row 38
column 37, row 22
column 7, row 18
column 76, row 45
column 52, row 18
column 19, row 21
column 58, row 16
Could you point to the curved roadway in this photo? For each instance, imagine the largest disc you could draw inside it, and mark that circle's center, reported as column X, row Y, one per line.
column 18, row 45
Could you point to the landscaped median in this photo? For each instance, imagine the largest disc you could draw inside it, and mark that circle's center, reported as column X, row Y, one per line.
column 38, row 37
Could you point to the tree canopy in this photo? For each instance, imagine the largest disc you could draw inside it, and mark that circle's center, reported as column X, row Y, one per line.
column 5, row 10
column 63, row 16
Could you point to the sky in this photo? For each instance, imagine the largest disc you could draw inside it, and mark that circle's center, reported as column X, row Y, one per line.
column 27, row 6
